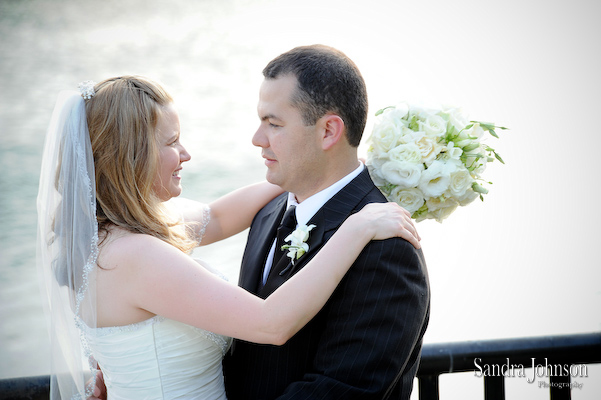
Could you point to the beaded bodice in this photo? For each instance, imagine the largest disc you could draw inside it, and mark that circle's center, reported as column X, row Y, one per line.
column 160, row 359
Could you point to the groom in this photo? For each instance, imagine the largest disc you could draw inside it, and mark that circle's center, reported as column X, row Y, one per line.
column 366, row 341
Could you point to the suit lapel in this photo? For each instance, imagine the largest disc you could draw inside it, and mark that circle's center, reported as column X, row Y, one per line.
column 260, row 239
column 329, row 218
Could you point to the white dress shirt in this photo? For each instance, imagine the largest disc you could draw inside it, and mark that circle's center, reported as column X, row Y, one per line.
column 307, row 209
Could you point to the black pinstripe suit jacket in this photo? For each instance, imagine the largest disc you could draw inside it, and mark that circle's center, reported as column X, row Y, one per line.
column 365, row 343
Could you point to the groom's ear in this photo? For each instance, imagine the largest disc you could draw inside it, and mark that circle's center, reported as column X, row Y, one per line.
column 332, row 130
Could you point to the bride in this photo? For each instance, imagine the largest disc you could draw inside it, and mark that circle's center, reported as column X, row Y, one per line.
column 123, row 293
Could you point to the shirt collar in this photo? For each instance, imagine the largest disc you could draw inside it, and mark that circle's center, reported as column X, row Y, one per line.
column 308, row 208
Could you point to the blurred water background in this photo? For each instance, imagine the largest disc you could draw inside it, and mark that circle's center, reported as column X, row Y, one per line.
column 522, row 263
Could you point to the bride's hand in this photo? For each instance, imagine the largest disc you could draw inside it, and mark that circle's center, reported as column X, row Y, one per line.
column 99, row 388
column 386, row 220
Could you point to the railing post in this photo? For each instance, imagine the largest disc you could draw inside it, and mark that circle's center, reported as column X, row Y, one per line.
column 428, row 387
column 494, row 387
column 560, row 387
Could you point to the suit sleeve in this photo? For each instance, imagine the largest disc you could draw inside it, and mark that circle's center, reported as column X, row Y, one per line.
column 374, row 324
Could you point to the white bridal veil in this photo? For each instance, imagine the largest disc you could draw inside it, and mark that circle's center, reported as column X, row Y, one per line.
column 67, row 246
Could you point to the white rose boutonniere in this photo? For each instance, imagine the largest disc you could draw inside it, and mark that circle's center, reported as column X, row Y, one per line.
column 297, row 239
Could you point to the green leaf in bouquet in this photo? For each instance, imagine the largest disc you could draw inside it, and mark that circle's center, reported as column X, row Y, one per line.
column 387, row 189
column 423, row 210
column 473, row 166
column 451, row 136
column 475, row 157
column 497, row 156
column 471, row 146
column 382, row 110
column 413, row 123
column 476, row 187
column 490, row 127
column 451, row 130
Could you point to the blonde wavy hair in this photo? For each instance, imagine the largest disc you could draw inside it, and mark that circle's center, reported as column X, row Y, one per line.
column 122, row 119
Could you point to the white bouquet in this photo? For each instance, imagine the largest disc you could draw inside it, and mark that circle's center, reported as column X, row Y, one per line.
column 429, row 160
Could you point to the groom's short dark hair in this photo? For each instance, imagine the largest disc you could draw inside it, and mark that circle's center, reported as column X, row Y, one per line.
column 328, row 81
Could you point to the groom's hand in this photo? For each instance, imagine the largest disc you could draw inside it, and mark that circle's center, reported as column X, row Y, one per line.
column 100, row 388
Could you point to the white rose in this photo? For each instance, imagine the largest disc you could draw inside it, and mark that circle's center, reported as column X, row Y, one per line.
column 429, row 147
column 409, row 152
column 415, row 117
column 475, row 131
column 440, row 209
column 434, row 125
column 397, row 112
column 434, row 180
column 386, row 135
column 402, row 173
column 410, row 199
column 424, row 110
column 450, row 153
column 467, row 198
column 417, row 110
column 470, row 138
column 461, row 182
column 463, row 140
column 456, row 117
column 410, row 136
column 374, row 166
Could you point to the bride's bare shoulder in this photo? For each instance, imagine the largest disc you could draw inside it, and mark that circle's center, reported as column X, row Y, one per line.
column 119, row 247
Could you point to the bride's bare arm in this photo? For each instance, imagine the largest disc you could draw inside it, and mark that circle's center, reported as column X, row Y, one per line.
column 231, row 213
column 164, row 281
column 235, row 211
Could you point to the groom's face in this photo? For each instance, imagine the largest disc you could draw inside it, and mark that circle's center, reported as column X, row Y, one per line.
column 292, row 151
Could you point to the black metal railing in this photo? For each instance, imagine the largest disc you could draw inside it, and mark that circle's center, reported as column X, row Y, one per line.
column 25, row 388
column 443, row 358
column 555, row 357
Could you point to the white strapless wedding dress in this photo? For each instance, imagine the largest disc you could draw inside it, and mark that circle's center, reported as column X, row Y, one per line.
column 160, row 359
